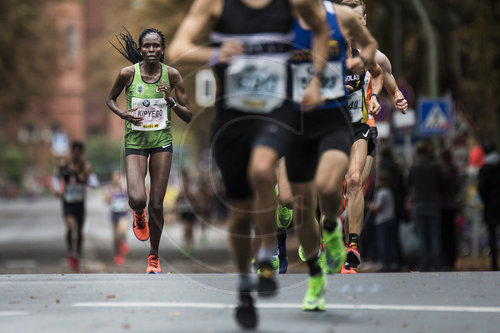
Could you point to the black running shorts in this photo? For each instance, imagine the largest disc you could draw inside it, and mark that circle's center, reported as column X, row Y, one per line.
column 363, row 131
column 233, row 139
column 75, row 210
column 320, row 130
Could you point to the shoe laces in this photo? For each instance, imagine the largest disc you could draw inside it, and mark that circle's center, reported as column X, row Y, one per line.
column 140, row 220
column 353, row 246
column 153, row 262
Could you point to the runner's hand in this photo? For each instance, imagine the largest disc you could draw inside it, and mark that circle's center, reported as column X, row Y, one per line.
column 312, row 95
column 165, row 88
column 230, row 48
column 373, row 107
column 129, row 116
column 400, row 103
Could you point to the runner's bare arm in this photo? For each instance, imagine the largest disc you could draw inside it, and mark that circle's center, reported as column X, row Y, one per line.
column 313, row 14
column 182, row 107
column 390, row 84
column 352, row 28
column 377, row 78
column 377, row 82
column 183, row 49
column 125, row 77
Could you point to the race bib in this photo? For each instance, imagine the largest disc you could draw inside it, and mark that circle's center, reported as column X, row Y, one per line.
column 332, row 85
column 73, row 193
column 154, row 112
column 255, row 84
column 355, row 105
column 119, row 204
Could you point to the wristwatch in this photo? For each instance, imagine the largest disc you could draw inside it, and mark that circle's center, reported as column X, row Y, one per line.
column 172, row 105
column 376, row 96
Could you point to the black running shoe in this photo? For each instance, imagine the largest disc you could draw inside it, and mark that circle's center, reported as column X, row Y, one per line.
column 267, row 285
column 282, row 255
column 245, row 314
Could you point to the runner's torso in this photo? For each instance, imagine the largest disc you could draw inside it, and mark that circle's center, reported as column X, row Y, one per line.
column 256, row 81
column 357, row 97
column 155, row 130
column 119, row 200
column 74, row 187
column 333, row 89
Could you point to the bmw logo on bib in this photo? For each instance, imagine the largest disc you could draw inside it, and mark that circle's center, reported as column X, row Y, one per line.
column 146, row 103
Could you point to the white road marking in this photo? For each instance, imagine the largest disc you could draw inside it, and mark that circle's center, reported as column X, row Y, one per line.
column 382, row 307
column 13, row 313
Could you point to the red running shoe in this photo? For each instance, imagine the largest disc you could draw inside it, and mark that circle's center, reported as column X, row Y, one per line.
column 124, row 249
column 153, row 265
column 119, row 260
column 347, row 270
column 73, row 263
column 353, row 258
column 141, row 228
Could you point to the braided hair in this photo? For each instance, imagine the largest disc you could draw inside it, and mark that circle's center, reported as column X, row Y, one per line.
column 128, row 47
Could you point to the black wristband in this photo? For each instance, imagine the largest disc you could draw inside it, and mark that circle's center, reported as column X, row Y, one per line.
column 172, row 105
column 376, row 96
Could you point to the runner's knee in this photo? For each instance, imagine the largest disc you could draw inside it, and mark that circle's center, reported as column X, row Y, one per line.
column 136, row 201
column 354, row 182
column 262, row 175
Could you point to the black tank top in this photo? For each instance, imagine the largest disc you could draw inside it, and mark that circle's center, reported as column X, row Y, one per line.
column 238, row 18
column 266, row 31
column 74, row 188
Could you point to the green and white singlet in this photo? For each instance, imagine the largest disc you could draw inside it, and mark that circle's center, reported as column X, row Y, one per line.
column 155, row 130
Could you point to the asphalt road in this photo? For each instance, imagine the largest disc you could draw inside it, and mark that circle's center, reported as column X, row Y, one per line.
column 397, row 302
column 32, row 241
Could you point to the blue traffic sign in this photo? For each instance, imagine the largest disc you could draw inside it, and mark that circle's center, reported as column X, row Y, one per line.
column 435, row 116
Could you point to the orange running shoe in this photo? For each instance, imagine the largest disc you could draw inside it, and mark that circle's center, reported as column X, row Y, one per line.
column 118, row 260
column 124, row 249
column 141, row 227
column 153, row 265
column 353, row 258
column 347, row 270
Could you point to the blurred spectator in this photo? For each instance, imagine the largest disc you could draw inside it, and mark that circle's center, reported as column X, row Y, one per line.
column 489, row 189
column 385, row 220
column 425, row 182
column 449, row 208
column 117, row 199
column 397, row 184
column 476, row 156
column 186, row 211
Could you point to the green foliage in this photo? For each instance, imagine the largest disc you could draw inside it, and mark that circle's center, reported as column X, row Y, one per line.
column 26, row 55
column 105, row 156
column 13, row 162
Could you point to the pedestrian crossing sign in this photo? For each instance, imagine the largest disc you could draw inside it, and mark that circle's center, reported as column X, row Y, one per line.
column 435, row 116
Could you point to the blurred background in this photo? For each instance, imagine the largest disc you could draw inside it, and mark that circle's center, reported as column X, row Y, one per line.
column 56, row 69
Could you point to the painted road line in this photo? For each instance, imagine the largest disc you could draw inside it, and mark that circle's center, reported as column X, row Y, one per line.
column 382, row 307
column 13, row 313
